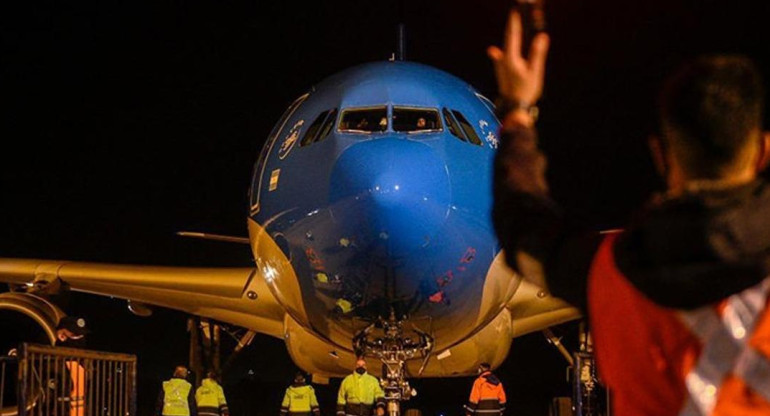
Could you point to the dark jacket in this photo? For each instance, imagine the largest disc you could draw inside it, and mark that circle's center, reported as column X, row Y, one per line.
column 680, row 252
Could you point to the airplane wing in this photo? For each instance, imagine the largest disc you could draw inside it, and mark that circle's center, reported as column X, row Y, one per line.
column 241, row 296
column 235, row 295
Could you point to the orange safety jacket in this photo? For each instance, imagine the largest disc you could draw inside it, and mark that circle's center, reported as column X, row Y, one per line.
column 78, row 388
column 713, row 360
column 487, row 396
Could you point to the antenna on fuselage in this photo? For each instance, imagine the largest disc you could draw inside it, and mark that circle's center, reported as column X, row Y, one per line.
column 401, row 33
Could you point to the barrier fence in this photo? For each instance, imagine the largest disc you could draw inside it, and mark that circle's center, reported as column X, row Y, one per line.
column 58, row 381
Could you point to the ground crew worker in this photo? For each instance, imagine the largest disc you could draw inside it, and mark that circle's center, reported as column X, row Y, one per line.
column 678, row 301
column 487, row 394
column 78, row 387
column 71, row 332
column 360, row 393
column 210, row 397
column 300, row 399
column 177, row 397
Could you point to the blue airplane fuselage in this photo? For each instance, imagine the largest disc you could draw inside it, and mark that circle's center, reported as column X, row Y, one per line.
column 391, row 218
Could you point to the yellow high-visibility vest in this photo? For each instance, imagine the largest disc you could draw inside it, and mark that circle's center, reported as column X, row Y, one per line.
column 175, row 393
column 210, row 395
column 359, row 388
column 299, row 399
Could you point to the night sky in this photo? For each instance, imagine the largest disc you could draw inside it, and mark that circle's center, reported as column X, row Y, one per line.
column 125, row 122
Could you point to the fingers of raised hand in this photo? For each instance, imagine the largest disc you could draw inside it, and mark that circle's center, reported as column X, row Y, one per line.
column 512, row 41
column 539, row 52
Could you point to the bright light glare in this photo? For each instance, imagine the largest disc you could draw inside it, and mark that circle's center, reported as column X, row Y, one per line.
column 270, row 273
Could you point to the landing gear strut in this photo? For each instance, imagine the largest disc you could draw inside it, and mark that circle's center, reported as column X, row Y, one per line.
column 205, row 345
column 589, row 396
column 393, row 348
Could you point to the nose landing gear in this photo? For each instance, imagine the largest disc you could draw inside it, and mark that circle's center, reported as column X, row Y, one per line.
column 386, row 340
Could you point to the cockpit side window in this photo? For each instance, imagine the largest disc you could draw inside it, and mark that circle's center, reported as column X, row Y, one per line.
column 364, row 120
column 451, row 124
column 311, row 134
column 328, row 125
column 467, row 128
column 416, row 120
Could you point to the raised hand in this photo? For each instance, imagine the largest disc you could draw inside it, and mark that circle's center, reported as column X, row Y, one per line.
column 519, row 78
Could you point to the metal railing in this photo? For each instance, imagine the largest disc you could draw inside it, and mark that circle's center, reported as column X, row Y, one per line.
column 58, row 381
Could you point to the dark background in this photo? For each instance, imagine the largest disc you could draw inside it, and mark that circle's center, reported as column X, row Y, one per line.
column 126, row 121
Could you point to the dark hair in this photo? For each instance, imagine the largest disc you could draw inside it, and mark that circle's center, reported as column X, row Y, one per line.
column 708, row 108
column 485, row 366
column 181, row 371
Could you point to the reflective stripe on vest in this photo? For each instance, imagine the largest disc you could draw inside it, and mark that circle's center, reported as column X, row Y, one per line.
column 666, row 362
column 299, row 399
column 726, row 349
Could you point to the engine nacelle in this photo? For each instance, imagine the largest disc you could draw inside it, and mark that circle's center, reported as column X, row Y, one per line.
column 27, row 318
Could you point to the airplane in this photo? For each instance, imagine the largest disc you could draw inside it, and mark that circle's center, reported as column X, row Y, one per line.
column 369, row 223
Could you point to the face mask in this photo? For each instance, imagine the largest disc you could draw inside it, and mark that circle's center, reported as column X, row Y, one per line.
column 360, row 370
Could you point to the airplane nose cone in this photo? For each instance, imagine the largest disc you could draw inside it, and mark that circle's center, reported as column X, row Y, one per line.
column 399, row 190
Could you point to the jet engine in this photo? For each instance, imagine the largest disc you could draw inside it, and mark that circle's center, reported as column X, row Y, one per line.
column 24, row 317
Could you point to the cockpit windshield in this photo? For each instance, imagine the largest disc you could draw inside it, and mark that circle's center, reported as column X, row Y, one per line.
column 364, row 120
column 414, row 120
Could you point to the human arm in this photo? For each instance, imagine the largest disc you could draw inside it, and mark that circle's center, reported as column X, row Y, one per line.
column 224, row 410
column 502, row 399
column 379, row 398
column 314, row 403
column 285, row 403
column 341, row 397
column 540, row 242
